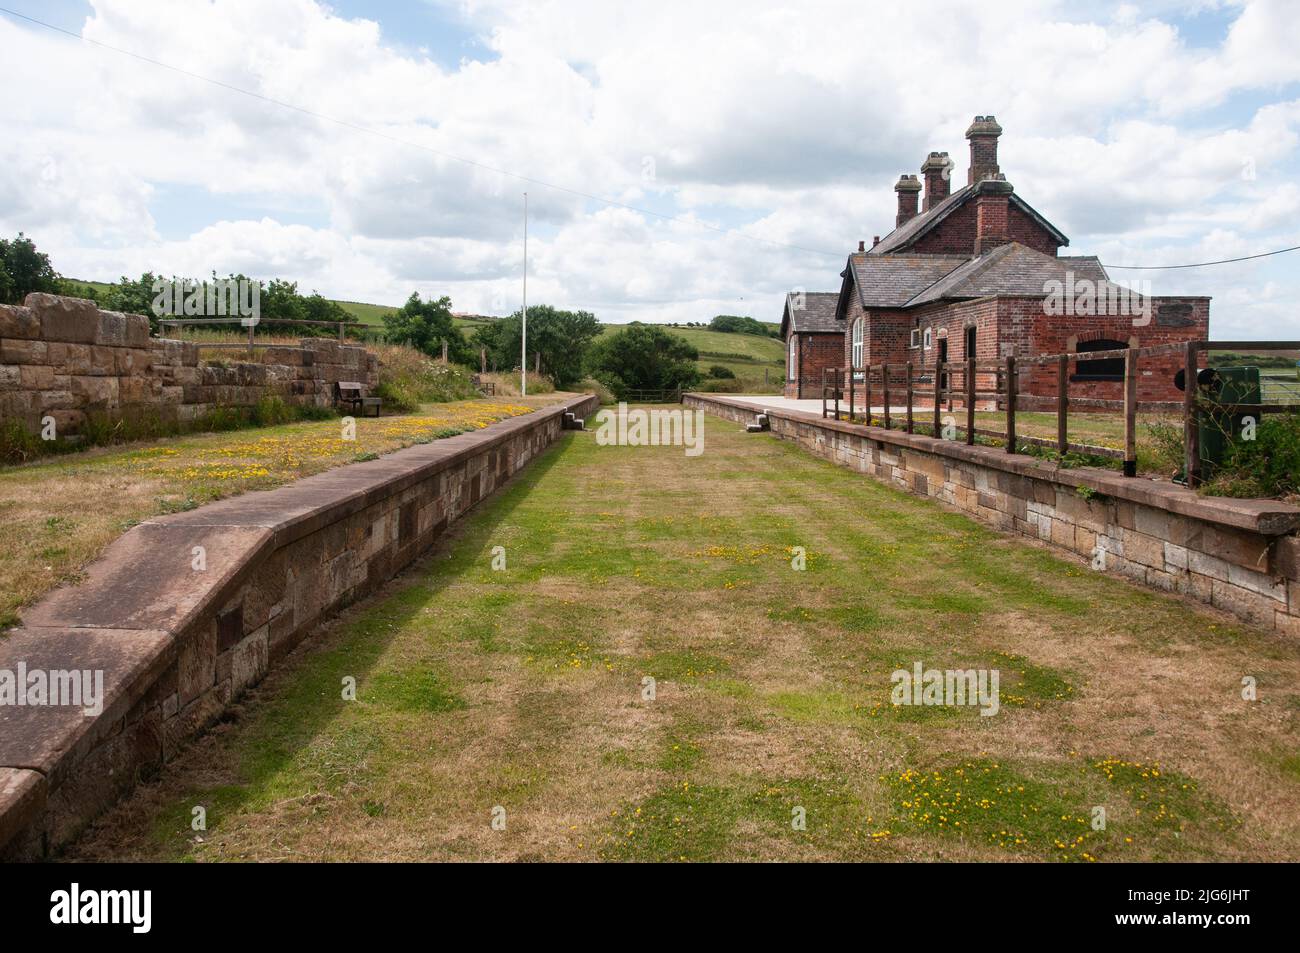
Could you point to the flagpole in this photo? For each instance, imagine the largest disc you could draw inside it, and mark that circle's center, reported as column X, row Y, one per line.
column 523, row 345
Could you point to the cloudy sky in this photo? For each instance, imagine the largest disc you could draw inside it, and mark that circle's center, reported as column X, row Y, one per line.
column 742, row 148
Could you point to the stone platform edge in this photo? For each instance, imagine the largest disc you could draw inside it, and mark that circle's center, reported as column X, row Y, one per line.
column 1241, row 556
column 184, row 612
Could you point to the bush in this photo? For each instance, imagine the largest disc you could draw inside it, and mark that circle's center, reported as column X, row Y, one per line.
column 644, row 357
column 1268, row 466
column 426, row 325
column 593, row 386
column 408, row 379
column 1166, row 448
column 721, row 373
column 740, row 324
column 722, row 387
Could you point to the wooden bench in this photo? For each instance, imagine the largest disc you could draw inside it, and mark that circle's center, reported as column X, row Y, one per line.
column 353, row 394
column 485, row 388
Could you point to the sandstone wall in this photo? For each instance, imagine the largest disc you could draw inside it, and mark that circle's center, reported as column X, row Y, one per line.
column 66, row 359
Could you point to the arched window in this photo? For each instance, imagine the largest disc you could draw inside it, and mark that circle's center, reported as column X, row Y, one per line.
column 857, row 345
column 794, row 349
column 1103, row 369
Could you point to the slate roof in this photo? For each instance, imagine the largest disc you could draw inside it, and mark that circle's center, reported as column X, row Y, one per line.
column 891, row 281
column 816, row 316
column 907, row 233
column 1012, row 270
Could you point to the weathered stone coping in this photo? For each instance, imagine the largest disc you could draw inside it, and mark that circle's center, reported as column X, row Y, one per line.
column 1266, row 517
column 128, row 615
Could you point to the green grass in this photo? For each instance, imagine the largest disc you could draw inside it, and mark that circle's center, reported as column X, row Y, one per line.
column 523, row 689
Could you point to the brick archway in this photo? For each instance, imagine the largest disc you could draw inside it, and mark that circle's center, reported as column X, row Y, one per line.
column 1074, row 340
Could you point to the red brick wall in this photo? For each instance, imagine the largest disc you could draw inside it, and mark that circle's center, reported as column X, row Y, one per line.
column 1021, row 228
column 955, row 235
column 1173, row 320
column 815, row 352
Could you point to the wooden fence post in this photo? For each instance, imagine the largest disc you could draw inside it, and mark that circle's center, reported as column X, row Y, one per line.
column 884, row 372
column 866, row 391
column 1191, row 429
column 909, row 397
column 1063, row 405
column 970, row 401
column 1130, row 412
column 852, row 395
column 938, row 380
column 1011, row 404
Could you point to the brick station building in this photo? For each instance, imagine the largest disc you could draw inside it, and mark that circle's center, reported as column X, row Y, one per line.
column 979, row 271
column 814, row 340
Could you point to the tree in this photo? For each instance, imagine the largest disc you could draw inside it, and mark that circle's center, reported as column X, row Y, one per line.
column 23, row 270
column 561, row 338
column 741, row 324
column 133, row 297
column 644, row 357
column 425, row 325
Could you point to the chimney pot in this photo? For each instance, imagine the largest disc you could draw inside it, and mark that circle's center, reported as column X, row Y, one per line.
column 937, row 169
column 862, row 245
column 909, row 194
column 875, row 240
column 983, row 134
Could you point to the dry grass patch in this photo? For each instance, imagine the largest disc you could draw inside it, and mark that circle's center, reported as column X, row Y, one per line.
column 526, row 690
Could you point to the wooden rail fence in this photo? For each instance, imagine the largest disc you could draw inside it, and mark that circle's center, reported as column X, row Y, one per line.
column 960, row 381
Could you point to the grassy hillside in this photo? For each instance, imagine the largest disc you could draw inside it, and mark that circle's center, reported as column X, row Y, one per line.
column 372, row 314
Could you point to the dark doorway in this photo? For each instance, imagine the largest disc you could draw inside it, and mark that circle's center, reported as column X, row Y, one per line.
column 970, row 343
column 1103, row 369
column 943, row 358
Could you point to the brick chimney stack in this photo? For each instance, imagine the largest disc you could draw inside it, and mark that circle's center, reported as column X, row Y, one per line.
column 909, row 194
column 983, row 135
column 992, row 200
column 938, row 178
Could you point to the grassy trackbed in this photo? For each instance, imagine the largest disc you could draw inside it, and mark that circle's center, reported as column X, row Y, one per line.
column 524, row 690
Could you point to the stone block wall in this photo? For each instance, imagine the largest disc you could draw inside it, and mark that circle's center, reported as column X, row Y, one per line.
column 1241, row 556
column 66, row 359
column 177, row 645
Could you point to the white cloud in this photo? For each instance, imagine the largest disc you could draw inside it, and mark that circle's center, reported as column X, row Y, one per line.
column 785, row 123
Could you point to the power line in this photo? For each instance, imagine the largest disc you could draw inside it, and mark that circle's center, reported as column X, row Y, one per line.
column 1203, row 264
column 415, row 145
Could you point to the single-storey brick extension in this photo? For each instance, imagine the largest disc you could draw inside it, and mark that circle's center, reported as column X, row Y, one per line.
column 978, row 270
